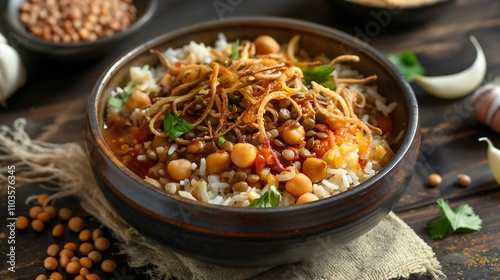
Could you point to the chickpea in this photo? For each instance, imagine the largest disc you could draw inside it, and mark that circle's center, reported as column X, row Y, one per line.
column 265, row 44
column 138, row 99
column 307, row 197
column 22, row 222
column 34, row 211
column 44, row 217
column 50, row 263
column 92, row 276
column 95, row 256
column 71, row 246
column 85, row 235
column 41, row 277
column 434, row 180
column 83, row 271
column 244, row 155
column 315, row 169
column 179, row 169
column 64, row 260
column 217, row 162
column 464, row 180
column 73, row 267
column 299, row 185
column 67, row 252
column 96, row 233
column 85, row 248
column 53, row 250
column 76, row 224
column 108, row 266
column 293, row 135
column 58, row 230
column 37, row 225
column 101, row 244
column 86, row 262
column 51, row 210
column 65, row 214
column 42, row 198
column 56, row 276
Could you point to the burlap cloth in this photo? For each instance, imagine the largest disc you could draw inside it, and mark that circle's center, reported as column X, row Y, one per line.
column 390, row 250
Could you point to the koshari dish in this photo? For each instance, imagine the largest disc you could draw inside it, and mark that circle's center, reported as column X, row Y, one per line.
column 250, row 123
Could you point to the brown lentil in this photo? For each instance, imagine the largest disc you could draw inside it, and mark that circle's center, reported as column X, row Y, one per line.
column 322, row 135
column 34, row 211
column 50, row 263
column 53, row 250
column 288, row 154
column 463, row 180
column 434, row 180
column 58, row 230
column 76, row 20
column 253, row 178
column 308, row 124
column 95, row 256
column 56, row 276
column 65, row 214
column 42, row 198
column 37, row 225
column 85, row 235
column 73, row 267
column 240, row 186
column 239, row 176
column 76, row 224
column 22, row 222
column 108, row 266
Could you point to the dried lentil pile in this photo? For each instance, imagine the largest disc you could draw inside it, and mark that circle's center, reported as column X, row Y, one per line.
column 78, row 259
column 72, row 21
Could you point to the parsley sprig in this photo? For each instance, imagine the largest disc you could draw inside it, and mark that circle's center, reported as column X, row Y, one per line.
column 408, row 65
column 270, row 198
column 463, row 219
column 175, row 126
column 121, row 98
column 321, row 74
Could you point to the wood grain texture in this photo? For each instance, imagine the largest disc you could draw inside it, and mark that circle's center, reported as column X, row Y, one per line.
column 54, row 99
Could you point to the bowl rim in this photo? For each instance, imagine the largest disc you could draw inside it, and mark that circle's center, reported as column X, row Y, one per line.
column 406, row 144
column 16, row 26
column 410, row 8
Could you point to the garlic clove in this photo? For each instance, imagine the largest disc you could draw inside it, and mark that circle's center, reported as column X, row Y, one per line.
column 493, row 159
column 12, row 70
column 459, row 84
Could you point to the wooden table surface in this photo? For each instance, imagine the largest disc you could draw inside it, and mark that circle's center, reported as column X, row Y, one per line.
column 54, row 98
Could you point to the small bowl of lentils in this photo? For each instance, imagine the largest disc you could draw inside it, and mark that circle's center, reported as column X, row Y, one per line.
column 75, row 28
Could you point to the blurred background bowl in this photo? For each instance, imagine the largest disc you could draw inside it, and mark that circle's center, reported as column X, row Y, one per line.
column 406, row 16
column 255, row 236
column 20, row 38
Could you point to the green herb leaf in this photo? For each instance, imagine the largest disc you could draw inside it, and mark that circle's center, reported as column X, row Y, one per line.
column 220, row 141
column 463, row 219
column 270, row 198
column 175, row 126
column 321, row 74
column 234, row 50
column 120, row 99
column 408, row 64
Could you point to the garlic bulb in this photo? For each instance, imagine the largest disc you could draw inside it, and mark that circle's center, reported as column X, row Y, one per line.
column 12, row 70
column 493, row 159
column 459, row 84
column 486, row 103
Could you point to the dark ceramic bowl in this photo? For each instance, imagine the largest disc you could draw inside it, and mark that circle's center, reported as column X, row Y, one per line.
column 255, row 236
column 391, row 17
column 21, row 38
